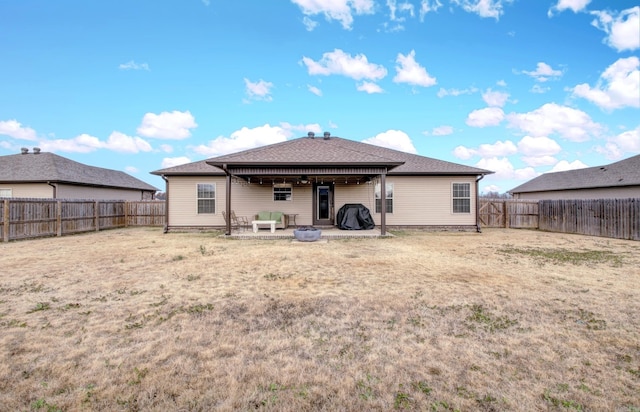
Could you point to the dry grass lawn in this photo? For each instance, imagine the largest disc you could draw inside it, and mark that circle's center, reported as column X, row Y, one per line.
column 505, row 320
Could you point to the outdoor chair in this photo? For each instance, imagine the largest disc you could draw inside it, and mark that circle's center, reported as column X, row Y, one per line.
column 240, row 221
column 234, row 222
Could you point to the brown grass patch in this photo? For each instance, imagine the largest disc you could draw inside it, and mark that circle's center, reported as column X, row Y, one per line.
column 137, row 320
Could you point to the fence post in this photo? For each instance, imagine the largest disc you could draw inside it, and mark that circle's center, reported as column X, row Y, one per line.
column 5, row 220
column 96, row 213
column 126, row 214
column 506, row 214
column 59, row 218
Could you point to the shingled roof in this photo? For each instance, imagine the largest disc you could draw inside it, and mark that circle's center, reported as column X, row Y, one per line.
column 623, row 173
column 321, row 152
column 49, row 167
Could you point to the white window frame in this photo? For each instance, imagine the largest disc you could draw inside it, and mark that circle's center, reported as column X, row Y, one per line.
column 198, row 199
column 281, row 190
column 457, row 196
column 389, row 198
column 3, row 192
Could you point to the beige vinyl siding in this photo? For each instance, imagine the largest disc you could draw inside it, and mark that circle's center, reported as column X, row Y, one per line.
column 428, row 201
column 596, row 193
column 249, row 199
column 417, row 201
column 66, row 191
column 34, row 190
column 183, row 201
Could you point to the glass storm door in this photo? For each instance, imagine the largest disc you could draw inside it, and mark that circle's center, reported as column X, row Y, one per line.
column 323, row 205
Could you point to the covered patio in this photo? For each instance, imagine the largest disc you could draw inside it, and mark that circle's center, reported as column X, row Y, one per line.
column 328, row 233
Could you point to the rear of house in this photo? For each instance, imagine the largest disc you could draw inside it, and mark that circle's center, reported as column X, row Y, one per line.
column 310, row 178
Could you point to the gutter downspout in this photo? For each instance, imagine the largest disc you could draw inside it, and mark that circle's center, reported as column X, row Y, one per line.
column 166, row 204
column 55, row 189
column 478, row 228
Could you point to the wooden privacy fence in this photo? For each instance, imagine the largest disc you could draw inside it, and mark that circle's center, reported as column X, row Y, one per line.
column 508, row 213
column 33, row 218
column 614, row 218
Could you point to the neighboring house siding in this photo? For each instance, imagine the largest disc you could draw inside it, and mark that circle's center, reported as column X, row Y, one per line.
column 66, row 191
column 596, row 193
column 33, row 190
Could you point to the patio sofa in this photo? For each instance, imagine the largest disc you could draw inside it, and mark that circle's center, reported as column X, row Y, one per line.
column 282, row 220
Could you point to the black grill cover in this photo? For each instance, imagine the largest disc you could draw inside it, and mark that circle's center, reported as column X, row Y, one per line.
column 355, row 216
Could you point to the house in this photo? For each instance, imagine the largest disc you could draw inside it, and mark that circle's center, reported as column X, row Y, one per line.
column 39, row 174
column 616, row 180
column 310, row 178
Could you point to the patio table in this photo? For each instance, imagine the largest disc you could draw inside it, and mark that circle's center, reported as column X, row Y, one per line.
column 271, row 223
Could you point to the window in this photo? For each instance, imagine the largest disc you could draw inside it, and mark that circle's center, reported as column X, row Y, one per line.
column 389, row 198
column 5, row 192
column 282, row 191
column 206, row 198
column 461, row 198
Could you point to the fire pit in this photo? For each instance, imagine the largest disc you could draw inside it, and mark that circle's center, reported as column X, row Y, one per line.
column 307, row 233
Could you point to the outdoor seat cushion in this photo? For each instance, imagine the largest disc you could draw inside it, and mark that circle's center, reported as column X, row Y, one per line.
column 264, row 215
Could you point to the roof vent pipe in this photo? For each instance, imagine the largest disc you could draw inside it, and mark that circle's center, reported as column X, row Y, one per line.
column 24, row 150
column 311, row 134
column 327, row 135
column 36, row 150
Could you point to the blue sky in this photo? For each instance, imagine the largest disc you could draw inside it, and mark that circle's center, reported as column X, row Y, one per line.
column 520, row 87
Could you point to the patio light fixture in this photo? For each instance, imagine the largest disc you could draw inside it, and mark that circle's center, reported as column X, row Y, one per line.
column 304, row 179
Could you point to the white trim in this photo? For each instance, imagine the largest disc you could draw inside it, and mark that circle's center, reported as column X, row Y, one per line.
column 453, row 212
column 215, row 199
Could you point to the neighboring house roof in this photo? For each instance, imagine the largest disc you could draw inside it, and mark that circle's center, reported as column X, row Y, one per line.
column 318, row 151
column 623, row 173
column 49, row 167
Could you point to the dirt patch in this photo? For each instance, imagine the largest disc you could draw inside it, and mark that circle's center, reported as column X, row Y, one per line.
column 503, row 320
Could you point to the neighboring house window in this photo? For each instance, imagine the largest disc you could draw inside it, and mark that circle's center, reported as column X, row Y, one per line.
column 389, row 198
column 282, row 191
column 5, row 192
column 206, row 198
column 462, row 198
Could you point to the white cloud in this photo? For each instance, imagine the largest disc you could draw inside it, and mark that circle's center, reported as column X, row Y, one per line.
column 489, row 116
column 369, row 87
column 167, row 125
column 486, row 150
column 393, row 139
column 442, row 131
column 501, row 83
column 131, row 65
column 615, row 148
column 341, row 63
column 5, row 145
column 206, row 2
column 84, row 143
column 536, row 161
column 309, row 24
column 339, row 10
column 543, row 72
column 131, row 169
column 483, row 8
column 504, row 169
column 14, row 129
column 456, row 92
column 260, row 90
column 563, row 166
column 428, row 6
column 120, row 142
column 572, row 124
column 538, row 146
column 617, row 87
column 573, row 5
column 404, row 7
column 174, row 161
column 495, row 99
column 314, row 90
column 291, row 130
column 622, row 28
column 243, row 139
column 539, row 89
column 409, row 71
column 166, row 148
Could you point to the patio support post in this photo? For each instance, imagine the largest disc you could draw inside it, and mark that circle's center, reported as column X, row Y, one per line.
column 228, row 204
column 383, row 204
